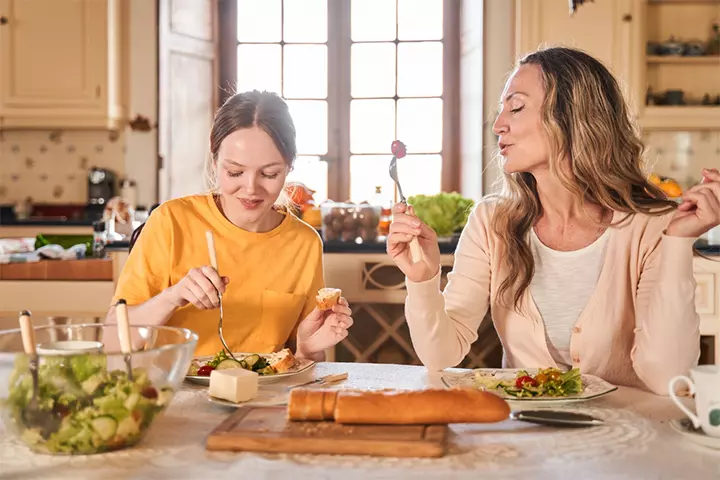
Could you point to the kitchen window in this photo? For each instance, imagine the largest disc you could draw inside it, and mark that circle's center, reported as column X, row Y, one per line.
column 356, row 75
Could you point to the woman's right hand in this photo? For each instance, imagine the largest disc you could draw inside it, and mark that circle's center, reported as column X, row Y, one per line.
column 200, row 287
column 404, row 227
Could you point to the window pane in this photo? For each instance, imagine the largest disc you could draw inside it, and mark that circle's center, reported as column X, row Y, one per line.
column 311, row 171
column 259, row 68
column 305, row 71
column 258, row 21
column 305, row 21
column 420, row 174
column 420, row 19
column 368, row 172
column 420, row 124
column 372, row 125
column 373, row 20
column 373, row 70
column 420, row 69
column 311, row 123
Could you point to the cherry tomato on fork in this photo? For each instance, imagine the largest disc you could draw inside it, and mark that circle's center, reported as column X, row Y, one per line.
column 205, row 370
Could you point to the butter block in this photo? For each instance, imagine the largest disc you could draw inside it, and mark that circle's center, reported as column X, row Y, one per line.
column 235, row 385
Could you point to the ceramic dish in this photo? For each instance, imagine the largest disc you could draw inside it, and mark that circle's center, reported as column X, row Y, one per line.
column 302, row 365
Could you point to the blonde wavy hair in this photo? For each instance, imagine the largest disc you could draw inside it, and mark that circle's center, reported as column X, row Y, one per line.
column 587, row 120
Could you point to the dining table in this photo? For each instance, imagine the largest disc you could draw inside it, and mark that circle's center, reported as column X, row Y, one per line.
column 635, row 441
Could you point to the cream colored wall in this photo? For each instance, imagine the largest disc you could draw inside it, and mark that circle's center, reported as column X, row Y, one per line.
column 51, row 166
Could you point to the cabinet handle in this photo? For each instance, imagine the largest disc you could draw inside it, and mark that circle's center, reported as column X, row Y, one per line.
column 4, row 20
column 627, row 18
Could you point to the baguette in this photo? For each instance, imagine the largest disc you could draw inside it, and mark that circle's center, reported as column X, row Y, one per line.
column 327, row 297
column 283, row 360
column 431, row 406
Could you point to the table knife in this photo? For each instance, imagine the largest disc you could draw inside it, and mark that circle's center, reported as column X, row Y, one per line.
column 556, row 418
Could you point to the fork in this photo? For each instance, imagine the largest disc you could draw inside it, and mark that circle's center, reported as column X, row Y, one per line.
column 398, row 152
column 213, row 262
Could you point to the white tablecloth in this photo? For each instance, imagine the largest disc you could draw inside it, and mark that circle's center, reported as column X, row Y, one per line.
column 636, row 442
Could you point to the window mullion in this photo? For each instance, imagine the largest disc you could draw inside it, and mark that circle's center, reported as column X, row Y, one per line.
column 339, row 99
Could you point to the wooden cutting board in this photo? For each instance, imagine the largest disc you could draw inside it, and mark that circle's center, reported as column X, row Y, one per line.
column 266, row 429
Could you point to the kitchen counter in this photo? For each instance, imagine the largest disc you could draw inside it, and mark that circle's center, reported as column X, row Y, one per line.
column 636, row 441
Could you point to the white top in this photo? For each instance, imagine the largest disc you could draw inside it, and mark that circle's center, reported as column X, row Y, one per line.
column 561, row 287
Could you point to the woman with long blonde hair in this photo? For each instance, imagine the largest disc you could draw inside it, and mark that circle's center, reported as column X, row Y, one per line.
column 581, row 261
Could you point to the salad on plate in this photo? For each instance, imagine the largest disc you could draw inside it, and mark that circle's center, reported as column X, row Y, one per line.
column 547, row 382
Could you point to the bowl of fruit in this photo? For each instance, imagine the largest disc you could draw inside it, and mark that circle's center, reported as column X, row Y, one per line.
column 79, row 403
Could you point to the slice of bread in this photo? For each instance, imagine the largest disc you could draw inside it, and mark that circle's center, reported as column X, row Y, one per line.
column 283, row 360
column 327, row 297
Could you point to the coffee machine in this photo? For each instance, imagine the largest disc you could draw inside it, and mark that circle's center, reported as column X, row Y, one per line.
column 102, row 186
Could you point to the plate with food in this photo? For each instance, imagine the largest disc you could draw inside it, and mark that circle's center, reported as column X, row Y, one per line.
column 268, row 366
column 537, row 386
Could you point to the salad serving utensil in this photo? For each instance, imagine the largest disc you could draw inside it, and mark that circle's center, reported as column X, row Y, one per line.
column 214, row 263
column 399, row 151
column 32, row 415
column 123, row 326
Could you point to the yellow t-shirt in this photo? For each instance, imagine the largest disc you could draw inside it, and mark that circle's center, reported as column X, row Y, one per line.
column 274, row 276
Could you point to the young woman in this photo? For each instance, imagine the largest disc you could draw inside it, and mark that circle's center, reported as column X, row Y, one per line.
column 582, row 262
column 269, row 262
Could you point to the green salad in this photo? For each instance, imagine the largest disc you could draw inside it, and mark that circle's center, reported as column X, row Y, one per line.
column 82, row 407
column 548, row 382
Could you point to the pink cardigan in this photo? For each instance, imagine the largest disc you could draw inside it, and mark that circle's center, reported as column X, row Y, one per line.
column 639, row 327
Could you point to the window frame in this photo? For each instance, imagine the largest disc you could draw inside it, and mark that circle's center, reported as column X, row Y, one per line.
column 339, row 97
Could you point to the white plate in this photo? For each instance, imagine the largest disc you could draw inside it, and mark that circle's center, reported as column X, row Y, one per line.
column 302, row 365
column 593, row 386
column 685, row 427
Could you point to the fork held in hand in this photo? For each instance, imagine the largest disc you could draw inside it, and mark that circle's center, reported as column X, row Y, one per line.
column 214, row 263
column 399, row 150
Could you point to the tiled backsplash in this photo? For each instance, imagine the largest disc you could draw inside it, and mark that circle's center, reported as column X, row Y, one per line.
column 682, row 155
column 52, row 166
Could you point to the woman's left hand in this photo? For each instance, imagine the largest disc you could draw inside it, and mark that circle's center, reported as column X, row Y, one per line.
column 322, row 329
column 700, row 210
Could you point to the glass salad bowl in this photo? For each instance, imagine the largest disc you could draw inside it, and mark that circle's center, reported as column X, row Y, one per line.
column 85, row 401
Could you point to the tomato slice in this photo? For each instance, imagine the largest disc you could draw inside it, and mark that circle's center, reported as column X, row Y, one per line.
column 205, row 370
column 525, row 379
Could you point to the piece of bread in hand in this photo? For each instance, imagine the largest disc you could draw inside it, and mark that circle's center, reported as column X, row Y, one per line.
column 283, row 360
column 327, row 297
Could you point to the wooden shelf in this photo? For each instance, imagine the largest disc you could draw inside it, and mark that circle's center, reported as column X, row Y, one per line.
column 680, row 118
column 680, row 60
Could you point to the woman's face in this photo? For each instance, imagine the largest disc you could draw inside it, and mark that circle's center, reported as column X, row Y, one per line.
column 521, row 138
column 250, row 173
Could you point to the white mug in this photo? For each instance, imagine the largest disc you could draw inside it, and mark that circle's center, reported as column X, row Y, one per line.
column 705, row 384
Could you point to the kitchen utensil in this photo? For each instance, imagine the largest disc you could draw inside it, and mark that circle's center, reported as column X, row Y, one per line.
column 399, row 150
column 123, row 325
column 214, row 263
column 324, row 381
column 31, row 415
column 266, row 429
column 555, row 418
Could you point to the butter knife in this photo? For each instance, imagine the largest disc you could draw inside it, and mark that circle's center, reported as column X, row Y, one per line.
column 556, row 418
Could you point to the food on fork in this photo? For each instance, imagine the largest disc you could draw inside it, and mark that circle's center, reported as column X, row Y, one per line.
column 430, row 406
column 236, row 385
column 327, row 297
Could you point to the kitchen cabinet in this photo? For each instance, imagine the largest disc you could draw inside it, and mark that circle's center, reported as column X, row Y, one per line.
column 603, row 29
column 622, row 34
column 61, row 64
